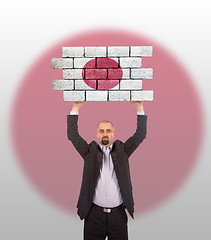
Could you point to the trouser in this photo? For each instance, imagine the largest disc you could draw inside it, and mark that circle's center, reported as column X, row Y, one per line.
column 100, row 223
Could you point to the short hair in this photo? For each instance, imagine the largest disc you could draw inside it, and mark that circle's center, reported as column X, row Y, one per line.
column 105, row 121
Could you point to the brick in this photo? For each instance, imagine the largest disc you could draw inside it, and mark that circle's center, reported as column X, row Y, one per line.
column 95, row 73
column 95, row 51
column 96, row 95
column 63, row 85
column 81, row 62
column 146, row 73
column 72, row 74
column 72, row 51
column 62, row 63
column 142, row 51
column 119, row 95
column 74, row 95
column 115, row 73
column 107, row 84
column 81, row 85
column 118, row 51
column 142, row 95
column 107, row 63
column 131, row 85
column 126, row 73
column 130, row 62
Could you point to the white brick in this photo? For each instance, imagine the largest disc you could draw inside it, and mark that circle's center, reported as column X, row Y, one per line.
column 96, row 95
column 62, row 63
column 95, row 51
column 142, row 51
column 80, row 62
column 119, row 95
column 146, row 73
column 131, row 85
column 81, row 85
column 142, row 95
column 62, row 84
column 130, row 62
column 126, row 73
column 72, row 74
column 118, row 51
column 72, row 51
column 74, row 95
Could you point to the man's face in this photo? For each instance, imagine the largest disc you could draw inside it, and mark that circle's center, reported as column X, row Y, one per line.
column 105, row 134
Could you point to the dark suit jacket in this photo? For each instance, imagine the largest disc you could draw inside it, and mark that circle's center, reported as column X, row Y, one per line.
column 92, row 155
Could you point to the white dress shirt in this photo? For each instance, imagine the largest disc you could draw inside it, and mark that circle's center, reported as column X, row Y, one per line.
column 107, row 192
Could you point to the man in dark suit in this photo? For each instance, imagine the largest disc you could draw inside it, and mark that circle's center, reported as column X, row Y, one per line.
column 106, row 188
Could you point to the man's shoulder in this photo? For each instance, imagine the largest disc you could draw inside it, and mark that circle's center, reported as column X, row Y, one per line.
column 94, row 145
column 118, row 144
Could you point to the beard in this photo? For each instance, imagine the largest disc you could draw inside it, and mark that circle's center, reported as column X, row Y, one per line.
column 105, row 141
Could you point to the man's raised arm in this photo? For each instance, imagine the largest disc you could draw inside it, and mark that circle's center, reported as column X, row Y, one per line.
column 133, row 142
column 72, row 129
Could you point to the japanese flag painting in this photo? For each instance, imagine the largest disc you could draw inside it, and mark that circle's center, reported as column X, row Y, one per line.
column 111, row 73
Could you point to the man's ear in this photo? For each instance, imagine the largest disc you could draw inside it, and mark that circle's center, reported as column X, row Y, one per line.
column 114, row 133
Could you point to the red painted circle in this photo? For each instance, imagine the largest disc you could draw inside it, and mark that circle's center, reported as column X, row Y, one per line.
column 102, row 73
column 159, row 166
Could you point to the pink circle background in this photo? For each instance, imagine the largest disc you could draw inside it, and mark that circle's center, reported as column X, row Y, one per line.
column 159, row 166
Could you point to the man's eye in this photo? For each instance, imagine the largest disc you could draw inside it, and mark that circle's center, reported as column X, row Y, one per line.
column 101, row 131
column 109, row 130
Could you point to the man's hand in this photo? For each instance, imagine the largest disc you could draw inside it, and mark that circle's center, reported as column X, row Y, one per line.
column 139, row 105
column 77, row 105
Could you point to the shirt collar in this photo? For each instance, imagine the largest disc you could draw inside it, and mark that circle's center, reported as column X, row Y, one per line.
column 110, row 147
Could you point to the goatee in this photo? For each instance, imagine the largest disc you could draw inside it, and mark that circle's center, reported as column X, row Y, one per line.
column 105, row 142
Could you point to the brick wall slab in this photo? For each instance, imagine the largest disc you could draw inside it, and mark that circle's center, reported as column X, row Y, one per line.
column 72, row 74
column 105, row 66
column 119, row 95
column 146, row 73
column 63, row 84
column 95, row 51
column 80, row 62
column 143, row 51
column 118, row 51
column 74, row 95
column 142, row 95
column 62, row 63
column 131, row 85
column 131, row 62
column 96, row 95
column 103, row 85
column 81, row 85
column 73, row 52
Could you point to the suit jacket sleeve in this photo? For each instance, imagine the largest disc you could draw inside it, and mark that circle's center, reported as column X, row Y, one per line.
column 134, row 141
column 73, row 135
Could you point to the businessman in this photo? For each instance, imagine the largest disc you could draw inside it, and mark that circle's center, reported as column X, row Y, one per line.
column 106, row 189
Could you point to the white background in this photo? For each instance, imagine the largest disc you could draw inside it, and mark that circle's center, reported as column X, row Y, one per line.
column 30, row 27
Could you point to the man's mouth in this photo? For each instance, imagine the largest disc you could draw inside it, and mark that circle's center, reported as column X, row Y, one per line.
column 105, row 141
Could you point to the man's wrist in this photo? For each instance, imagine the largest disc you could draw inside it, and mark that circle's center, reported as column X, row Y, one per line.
column 75, row 109
column 140, row 108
